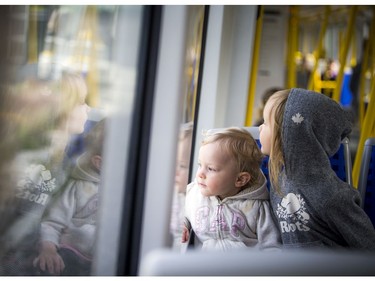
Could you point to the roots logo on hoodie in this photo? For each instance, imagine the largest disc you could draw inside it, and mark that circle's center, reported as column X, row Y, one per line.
column 292, row 214
column 36, row 185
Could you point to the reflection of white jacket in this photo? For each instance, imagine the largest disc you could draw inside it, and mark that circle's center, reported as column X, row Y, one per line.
column 177, row 219
column 242, row 220
column 70, row 222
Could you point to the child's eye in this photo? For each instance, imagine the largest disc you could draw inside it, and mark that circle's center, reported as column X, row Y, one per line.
column 211, row 169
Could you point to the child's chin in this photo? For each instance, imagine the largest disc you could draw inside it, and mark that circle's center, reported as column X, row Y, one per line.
column 205, row 193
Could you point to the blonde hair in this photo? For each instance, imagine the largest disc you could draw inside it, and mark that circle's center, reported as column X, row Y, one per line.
column 240, row 145
column 36, row 108
column 72, row 90
column 276, row 160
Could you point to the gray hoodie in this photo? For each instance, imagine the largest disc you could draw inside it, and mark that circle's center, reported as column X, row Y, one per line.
column 315, row 207
column 239, row 221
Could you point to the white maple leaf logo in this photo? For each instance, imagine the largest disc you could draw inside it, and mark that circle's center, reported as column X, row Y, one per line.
column 298, row 118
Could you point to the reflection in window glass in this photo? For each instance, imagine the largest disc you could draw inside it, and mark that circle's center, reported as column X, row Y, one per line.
column 184, row 146
column 54, row 117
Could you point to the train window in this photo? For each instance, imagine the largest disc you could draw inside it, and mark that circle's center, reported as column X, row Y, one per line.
column 68, row 94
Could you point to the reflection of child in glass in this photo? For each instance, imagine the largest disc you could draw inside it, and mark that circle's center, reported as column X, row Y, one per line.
column 227, row 205
column 44, row 115
column 68, row 226
column 181, row 181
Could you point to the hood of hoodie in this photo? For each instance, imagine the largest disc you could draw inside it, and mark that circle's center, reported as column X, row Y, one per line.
column 83, row 170
column 255, row 192
column 313, row 128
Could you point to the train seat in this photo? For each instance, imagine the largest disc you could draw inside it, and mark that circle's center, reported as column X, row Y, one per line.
column 366, row 182
column 341, row 162
column 254, row 131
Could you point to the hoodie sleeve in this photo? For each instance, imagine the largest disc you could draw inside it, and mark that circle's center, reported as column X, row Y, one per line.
column 268, row 233
column 59, row 215
column 346, row 216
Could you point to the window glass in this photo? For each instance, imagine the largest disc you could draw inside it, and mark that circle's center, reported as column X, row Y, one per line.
column 71, row 70
column 185, row 139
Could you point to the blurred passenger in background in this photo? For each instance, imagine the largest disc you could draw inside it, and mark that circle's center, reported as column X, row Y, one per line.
column 329, row 74
column 266, row 95
column 303, row 73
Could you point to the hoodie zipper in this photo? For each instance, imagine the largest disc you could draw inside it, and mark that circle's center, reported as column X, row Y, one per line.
column 219, row 220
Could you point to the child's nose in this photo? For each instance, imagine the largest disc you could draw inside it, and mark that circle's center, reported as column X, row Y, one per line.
column 200, row 173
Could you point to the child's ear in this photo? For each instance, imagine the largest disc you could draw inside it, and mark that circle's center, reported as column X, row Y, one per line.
column 242, row 179
column 96, row 160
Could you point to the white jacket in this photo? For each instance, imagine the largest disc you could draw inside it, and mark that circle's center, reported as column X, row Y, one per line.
column 242, row 220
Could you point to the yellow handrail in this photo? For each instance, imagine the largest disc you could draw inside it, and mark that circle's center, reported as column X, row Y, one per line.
column 370, row 44
column 254, row 68
column 292, row 47
column 367, row 132
column 368, row 115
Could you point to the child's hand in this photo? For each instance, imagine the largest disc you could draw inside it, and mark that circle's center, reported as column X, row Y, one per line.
column 185, row 234
column 49, row 259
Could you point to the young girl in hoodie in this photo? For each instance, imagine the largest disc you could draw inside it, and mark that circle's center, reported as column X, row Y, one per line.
column 227, row 206
column 69, row 224
column 314, row 208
